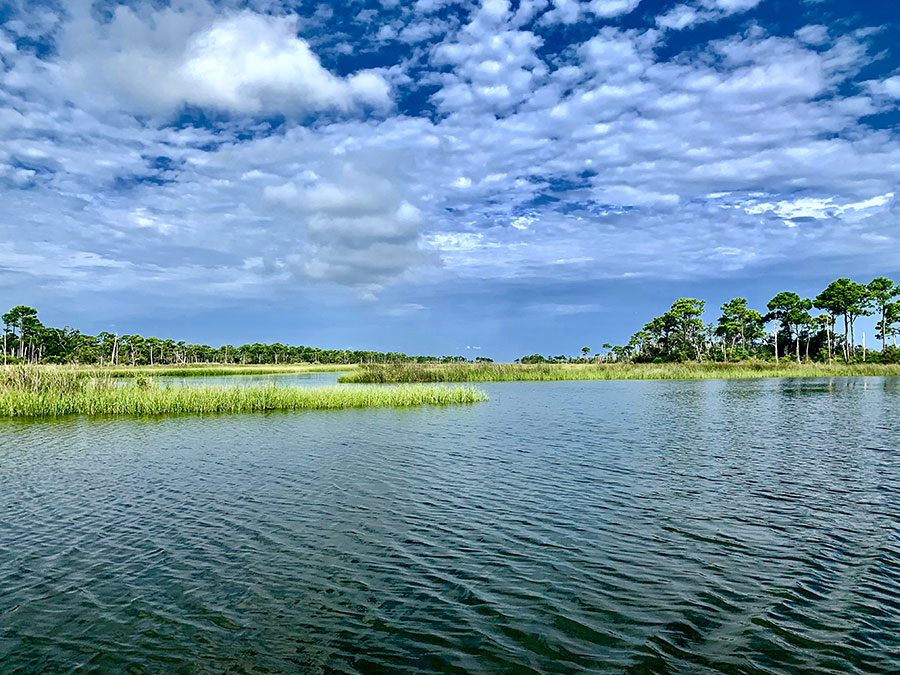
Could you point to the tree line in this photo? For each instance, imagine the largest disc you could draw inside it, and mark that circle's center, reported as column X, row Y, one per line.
column 27, row 340
column 742, row 333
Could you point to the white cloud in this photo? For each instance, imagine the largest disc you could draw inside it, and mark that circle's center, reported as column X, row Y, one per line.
column 816, row 34
column 356, row 230
column 245, row 63
column 611, row 8
column 887, row 87
column 681, row 17
column 819, row 208
column 731, row 6
column 7, row 46
column 684, row 16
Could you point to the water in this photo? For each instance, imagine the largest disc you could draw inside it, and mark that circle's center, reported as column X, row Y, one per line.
column 738, row 526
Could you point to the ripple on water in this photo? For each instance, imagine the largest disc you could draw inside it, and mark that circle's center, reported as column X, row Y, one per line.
column 739, row 526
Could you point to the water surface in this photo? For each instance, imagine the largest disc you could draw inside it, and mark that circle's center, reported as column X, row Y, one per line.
column 634, row 526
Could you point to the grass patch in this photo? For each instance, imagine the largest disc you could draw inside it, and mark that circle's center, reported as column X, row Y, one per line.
column 513, row 372
column 48, row 392
column 207, row 370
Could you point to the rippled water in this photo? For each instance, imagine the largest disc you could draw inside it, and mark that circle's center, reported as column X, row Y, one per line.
column 738, row 526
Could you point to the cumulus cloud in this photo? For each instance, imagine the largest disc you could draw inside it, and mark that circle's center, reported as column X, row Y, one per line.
column 731, row 6
column 356, row 229
column 244, row 62
column 889, row 86
column 611, row 8
column 687, row 15
column 681, row 17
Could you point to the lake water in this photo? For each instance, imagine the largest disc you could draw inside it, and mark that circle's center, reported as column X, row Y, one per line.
column 699, row 526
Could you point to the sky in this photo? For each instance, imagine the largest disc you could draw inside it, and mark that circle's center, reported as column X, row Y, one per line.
column 479, row 178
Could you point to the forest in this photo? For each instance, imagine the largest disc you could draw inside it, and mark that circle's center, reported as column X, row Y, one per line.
column 742, row 333
column 27, row 340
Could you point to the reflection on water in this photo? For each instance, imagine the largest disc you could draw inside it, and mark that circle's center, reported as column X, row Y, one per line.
column 738, row 526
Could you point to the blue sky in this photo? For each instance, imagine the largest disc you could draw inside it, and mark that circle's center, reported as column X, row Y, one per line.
column 482, row 178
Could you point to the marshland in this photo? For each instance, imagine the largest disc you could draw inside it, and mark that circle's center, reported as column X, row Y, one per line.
column 48, row 391
column 514, row 372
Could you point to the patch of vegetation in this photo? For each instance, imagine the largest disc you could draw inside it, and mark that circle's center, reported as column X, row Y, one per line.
column 211, row 370
column 511, row 372
column 47, row 391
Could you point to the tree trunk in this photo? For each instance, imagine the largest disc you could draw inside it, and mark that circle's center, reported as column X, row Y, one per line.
column 775, row 334
column 846, row 339
column 798, row 346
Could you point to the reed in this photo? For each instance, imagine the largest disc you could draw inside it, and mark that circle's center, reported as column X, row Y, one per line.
column 46, row 392
column 510, row 372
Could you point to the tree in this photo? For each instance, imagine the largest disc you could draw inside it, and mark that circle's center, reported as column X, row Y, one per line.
column 819, row 323
column 679, row 331
column 845, row 298
column 881, row 291
column 739, row 322
column 25, row 319
column 890, row 324
column 788, row 310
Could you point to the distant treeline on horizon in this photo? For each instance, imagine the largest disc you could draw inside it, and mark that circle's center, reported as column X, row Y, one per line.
column 27, row 340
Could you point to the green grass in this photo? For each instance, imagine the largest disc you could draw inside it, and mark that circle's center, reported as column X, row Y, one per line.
column 46, row 392
column 213, row 370
column 510, row 372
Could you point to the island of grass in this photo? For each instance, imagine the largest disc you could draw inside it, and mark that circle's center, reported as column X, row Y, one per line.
column 215, row 369
column 48, row 392
column 514, row 372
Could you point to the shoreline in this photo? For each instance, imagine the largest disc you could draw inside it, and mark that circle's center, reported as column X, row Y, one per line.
column 509, row 372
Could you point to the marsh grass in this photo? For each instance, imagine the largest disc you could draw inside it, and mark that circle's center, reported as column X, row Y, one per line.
column 46, row 391
column 511, row 372
column 207, row 370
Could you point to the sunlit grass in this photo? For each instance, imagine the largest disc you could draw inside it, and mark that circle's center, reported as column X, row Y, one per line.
column 213, row 370
column 511, row 372
column 47, row 391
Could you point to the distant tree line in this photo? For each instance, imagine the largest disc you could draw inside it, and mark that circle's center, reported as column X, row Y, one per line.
column 742, row 333
column 27, row 340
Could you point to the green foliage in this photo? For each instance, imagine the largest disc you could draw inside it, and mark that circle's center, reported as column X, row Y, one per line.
column 881, row 292
column 28, row 340
column 677, row 335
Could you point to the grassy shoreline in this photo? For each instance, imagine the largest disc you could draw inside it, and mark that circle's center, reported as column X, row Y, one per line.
column 135, row 400
column 212, row 370
column 510, row 372
column 51, row 392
